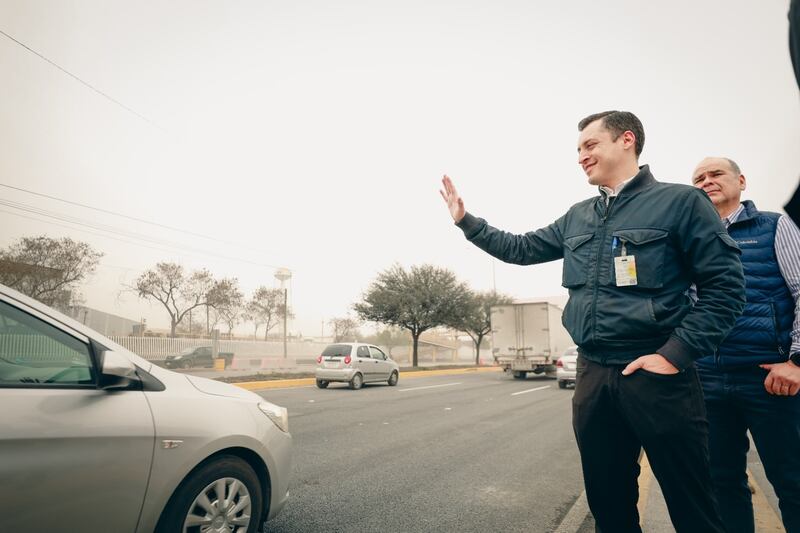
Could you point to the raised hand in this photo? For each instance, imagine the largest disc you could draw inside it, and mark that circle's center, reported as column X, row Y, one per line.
column 454, row 202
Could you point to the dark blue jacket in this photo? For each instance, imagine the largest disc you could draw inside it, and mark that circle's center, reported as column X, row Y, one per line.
column 763, row 332
column 677, row 238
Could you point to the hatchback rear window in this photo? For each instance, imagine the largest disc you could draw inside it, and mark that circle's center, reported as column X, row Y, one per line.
column 337, row 350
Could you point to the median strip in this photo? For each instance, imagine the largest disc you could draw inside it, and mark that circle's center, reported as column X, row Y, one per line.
column 307, row 382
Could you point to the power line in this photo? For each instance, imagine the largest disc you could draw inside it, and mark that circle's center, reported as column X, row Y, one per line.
column 135, row 219
column 79, row 80
column 114, row 231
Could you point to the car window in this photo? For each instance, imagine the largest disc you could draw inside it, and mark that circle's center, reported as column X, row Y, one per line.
column 32, row 352
column 376, row 353
column 362, row 351
column 336, row 350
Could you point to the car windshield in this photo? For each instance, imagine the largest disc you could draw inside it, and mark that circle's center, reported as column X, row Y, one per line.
column 187, row 351
column 336, row 350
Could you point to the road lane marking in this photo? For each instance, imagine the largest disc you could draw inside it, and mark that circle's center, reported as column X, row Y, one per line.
column 575, row 517
column 530, row 390
column 429, row 387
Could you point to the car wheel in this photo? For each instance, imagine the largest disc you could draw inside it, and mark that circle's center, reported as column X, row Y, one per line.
column 520, row 374
column 186, row 364
column 356, row 382
column 322, row 384
column 221, row 495
column 393, row 379
column 562, row 384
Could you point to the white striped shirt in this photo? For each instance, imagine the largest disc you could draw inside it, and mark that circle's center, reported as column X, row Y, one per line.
column 787, row 251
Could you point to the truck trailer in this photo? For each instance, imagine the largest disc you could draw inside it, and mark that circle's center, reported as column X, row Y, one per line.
column 528, row 337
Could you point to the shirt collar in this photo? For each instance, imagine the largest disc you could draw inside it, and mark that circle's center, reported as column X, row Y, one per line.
column 609, row 192
column 733, row 217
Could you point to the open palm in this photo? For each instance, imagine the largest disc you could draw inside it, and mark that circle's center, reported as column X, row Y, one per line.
column 454, row 202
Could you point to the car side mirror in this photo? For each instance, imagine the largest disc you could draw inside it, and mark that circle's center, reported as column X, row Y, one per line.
column 116, row 371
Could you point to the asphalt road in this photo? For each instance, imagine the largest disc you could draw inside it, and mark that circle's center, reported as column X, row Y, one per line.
column 476, row 452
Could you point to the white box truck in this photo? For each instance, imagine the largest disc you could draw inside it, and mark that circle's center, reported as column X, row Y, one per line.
column 528, row 337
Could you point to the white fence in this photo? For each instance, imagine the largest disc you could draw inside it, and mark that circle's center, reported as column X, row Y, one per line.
column 252, row 353
column 156, row 348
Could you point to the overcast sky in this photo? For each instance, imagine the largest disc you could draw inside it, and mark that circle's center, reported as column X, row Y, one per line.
column 313, row 135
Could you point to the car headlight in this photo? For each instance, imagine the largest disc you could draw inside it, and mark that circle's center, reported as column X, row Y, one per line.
column 278, row 415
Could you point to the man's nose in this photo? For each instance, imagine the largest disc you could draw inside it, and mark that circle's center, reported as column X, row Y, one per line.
column 582, row 157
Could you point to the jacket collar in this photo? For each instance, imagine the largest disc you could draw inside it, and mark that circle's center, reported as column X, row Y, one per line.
column 749, row 212
column 642, row 180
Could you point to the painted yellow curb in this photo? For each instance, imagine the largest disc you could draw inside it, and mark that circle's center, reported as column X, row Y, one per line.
column 305, row 382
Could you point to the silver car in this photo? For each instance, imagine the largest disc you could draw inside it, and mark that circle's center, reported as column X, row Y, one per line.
column 355, row 363
column 97, row 439
column 566, row 367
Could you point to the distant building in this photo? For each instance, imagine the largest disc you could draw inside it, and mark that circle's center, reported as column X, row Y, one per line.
column 105, row 323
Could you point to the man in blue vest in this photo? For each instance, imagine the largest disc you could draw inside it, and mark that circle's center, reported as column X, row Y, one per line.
column 752, row 381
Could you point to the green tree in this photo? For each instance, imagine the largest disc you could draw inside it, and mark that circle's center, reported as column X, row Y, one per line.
column 476, row 322
column 419, row 299
column 49, row 270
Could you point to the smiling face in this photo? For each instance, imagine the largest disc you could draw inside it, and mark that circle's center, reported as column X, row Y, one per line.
column 604, row 159
column 721, row 182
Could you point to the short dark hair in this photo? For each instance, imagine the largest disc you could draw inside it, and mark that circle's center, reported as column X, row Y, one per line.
column 734, row 166
column 618, row 122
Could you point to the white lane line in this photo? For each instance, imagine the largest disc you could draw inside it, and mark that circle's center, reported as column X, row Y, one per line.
column 430, row 387
column 575, row 517
column 530, row 390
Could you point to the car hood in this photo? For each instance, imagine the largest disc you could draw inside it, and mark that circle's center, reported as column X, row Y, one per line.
column 218, row 388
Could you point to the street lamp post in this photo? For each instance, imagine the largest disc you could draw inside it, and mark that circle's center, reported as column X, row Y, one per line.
column 283, row 274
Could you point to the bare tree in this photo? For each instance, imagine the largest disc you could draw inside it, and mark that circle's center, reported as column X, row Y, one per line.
column 344, row 328
column 179, row 293
column 47, row 269
column 227, row 301
column 265, row 307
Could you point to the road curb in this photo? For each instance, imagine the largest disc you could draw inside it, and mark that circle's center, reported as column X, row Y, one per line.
column 305, row 382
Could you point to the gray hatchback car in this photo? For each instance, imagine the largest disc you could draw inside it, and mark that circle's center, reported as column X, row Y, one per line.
column 96, row 439
column 355, row 363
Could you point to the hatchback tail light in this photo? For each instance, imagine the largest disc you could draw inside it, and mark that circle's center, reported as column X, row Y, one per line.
column 347, row 360
column 559, row 364
column 319, row 360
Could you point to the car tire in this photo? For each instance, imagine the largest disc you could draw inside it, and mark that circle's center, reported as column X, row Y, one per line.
column 203, row 481
column 322, row 384
column 562, row 384
column 356, row 382
column 393, row 378
column 186, row 364
column 520, row 374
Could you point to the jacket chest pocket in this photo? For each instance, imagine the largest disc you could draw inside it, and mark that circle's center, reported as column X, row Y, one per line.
column 649, row 247
column 577, row 256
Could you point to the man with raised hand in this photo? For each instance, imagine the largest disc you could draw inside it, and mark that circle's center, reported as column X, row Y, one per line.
column 630, row 255
column 752, row 381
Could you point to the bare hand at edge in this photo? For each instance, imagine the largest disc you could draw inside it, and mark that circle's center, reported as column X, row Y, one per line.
column 454, row 202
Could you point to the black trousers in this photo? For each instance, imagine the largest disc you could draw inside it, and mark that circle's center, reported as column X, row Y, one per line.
column 614, row 417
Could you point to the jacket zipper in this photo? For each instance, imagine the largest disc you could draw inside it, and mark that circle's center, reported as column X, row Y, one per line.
column 600, row 246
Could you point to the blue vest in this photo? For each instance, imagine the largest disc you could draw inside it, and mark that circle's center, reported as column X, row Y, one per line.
column 762, row 334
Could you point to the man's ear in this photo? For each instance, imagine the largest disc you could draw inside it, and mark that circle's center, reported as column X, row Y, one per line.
column 742, row 182
column 629, row 139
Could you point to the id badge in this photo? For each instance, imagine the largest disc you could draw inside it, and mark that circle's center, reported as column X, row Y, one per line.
column 625, row 270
